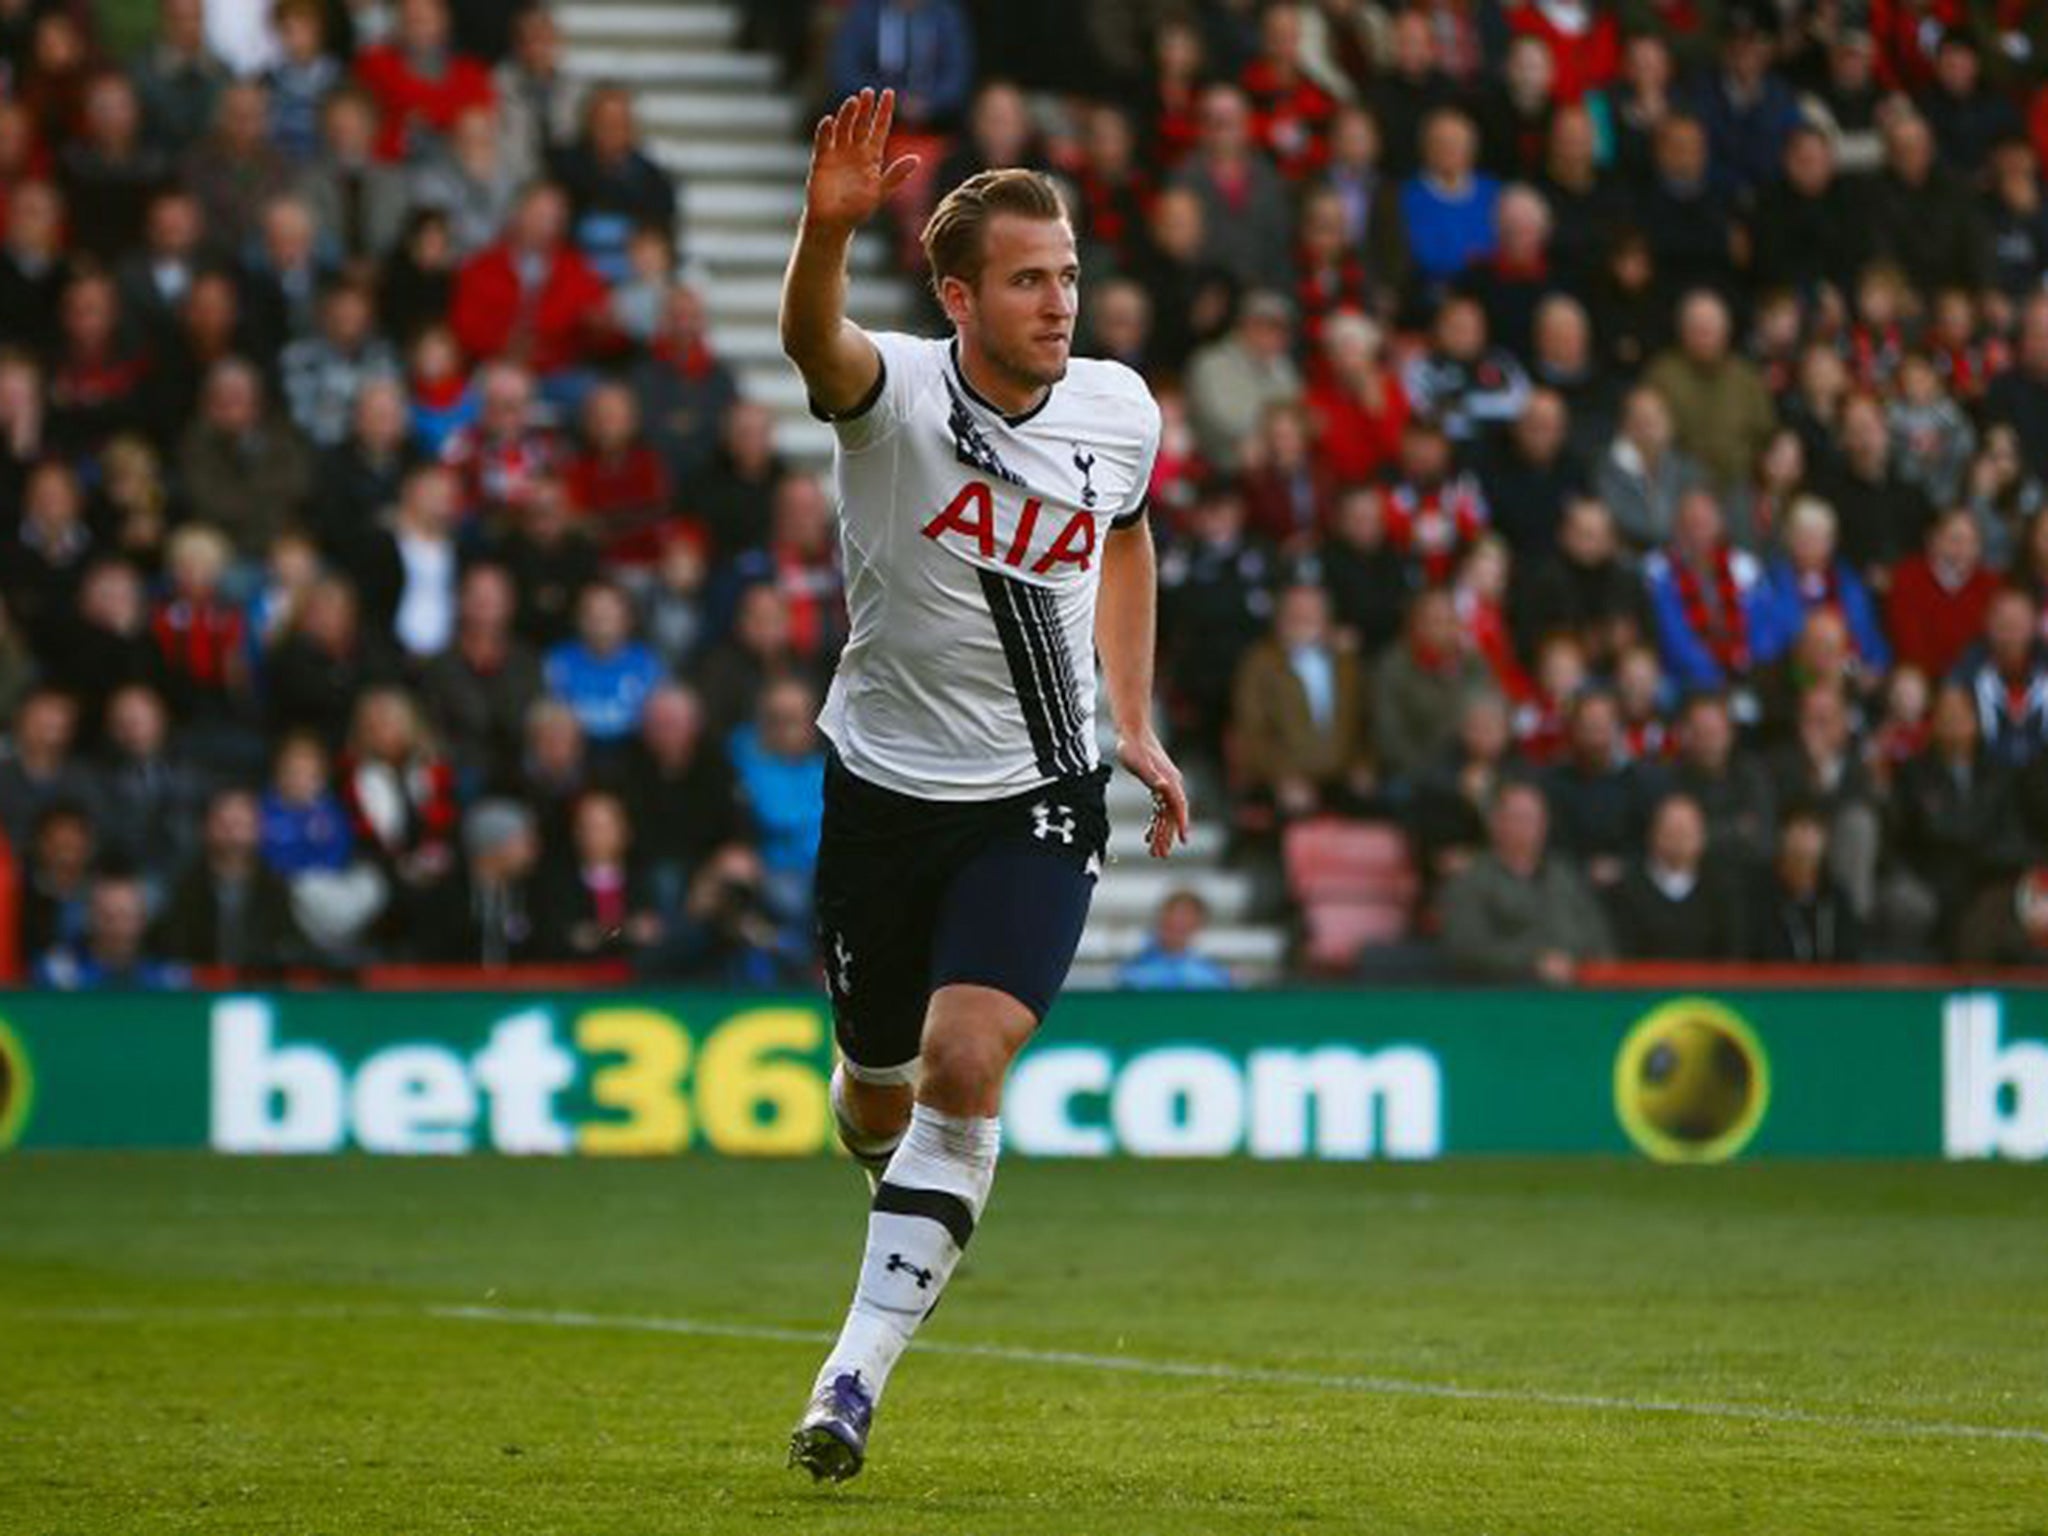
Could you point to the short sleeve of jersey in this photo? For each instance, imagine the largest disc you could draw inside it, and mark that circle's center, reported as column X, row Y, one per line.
column 1133, row 509
column 909, row 366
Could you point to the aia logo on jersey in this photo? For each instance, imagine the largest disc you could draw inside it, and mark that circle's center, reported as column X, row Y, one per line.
column 971, row 515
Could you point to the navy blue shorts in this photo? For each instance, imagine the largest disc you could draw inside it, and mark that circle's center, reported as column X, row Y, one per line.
column 914, row 895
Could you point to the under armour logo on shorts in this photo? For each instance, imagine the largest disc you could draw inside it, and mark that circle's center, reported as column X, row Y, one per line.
column 1045, row 829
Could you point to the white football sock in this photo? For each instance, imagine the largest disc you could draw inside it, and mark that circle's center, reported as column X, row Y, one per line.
column 924, row 1213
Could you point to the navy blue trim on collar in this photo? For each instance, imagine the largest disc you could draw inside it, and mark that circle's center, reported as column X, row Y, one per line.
column 953, row 352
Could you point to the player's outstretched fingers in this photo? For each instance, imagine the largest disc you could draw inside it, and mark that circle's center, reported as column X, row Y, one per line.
column 885, row 116
column 846, row 117
column 900, row 171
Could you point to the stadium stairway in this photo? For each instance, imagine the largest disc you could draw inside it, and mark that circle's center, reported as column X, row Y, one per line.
column 715, row 115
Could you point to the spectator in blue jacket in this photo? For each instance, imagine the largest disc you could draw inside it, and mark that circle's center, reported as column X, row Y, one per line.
column 923, row 49
column 779, row 760
column 2007, row 674
column 1748, row 110
column 304, row 824
column 113, row 955
column 1168, row 961
column 1711, row 606
column 604, row 675
column 1448, row 207
column 1809, row 575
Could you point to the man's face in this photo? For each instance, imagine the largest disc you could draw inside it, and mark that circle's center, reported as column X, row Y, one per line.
column 487, row 600
column 1823, row 723
column 542, row 221
column 232, row 829
column 2010, row 628
column 1680, row 835
column 1594, row 730
column 117, row 918
column 1224, row 122
column 1521, row 823
column 35, row 219
column 1956, row 544
column 1540, row 433
column 603, row 620
column 1588, row 534
column 135, row 721
column 1304, row 617
column 1020, row 312
column 1682, row 153
column 1709, row 736
column 1809, row 165
column 1180, row 920
column 1703, row 329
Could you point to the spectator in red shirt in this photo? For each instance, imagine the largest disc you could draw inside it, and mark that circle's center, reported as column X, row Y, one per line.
column 400, row 797
column 1358, row 408
column 532, row 298
column 1435, row 511
column 1115, row 192
column 617, row 482
column 1939, row 596
column 1290, row 112
column 1179, row 70
column 1584, row 42
column 97, row 377
column 420, row 83
column 1289, row 495
column 199, row 635
column 1332, row 273
column 505, row 452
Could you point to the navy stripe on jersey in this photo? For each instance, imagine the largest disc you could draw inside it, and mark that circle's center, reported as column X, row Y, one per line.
column 1040, row 671
column 1043, row 613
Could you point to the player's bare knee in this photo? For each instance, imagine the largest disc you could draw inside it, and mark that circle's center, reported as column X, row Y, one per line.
column 963, row 1070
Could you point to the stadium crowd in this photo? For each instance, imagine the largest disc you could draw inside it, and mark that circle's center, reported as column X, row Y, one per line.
column 1608, row 441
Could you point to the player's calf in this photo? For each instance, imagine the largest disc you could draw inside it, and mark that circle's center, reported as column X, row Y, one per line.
column 871, row 1119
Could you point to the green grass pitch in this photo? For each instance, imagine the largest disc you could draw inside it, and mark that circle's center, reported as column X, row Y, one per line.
column 411, row 1349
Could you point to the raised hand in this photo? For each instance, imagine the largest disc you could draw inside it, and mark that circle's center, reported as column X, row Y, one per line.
column 848, row 178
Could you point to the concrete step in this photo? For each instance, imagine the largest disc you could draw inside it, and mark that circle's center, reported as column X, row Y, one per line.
column 671, row 26
column 707, row 156
column 735, row 115
column 1204, row 847
column 741, row 247
column 1131, row 893
column 743, row 203
column 740, row 296
column 805, row 441
column 782, row 390
column 656, row 68
column 1101, row 976
column 1231, row 943
column 744, row 344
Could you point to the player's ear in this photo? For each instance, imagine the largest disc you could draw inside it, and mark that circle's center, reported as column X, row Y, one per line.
column 956, row 299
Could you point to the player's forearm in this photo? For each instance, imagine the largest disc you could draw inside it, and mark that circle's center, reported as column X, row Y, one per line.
column 816, row 335
column 1126, row 624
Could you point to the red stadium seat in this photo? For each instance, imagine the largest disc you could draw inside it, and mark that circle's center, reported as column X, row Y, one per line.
column 1355, row 883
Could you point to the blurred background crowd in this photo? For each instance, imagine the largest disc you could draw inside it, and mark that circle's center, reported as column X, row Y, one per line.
column 1601, row 492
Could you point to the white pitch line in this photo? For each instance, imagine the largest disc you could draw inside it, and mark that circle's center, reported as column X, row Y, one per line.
column 1194, row 1370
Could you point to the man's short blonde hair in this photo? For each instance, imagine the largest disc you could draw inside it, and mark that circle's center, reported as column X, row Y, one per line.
column 953, row 242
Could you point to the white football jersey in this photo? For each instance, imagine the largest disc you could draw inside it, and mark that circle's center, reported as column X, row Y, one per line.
column 972, row 544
